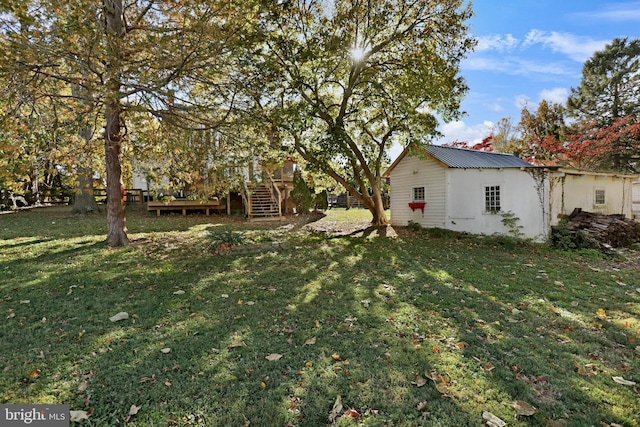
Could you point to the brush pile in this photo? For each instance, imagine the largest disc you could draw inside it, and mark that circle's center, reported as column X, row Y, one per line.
column 584, row 229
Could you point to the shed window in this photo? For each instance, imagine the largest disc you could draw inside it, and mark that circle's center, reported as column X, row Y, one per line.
column 599, row 196
column 418, row 194
column 492, row 198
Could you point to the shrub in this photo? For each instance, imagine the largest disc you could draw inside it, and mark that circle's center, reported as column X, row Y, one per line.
column 301, row 194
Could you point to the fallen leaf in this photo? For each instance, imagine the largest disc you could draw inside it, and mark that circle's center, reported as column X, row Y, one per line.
column 622, row 381
column 352, row 413
column 251, row 302
column 224, row 296
column 237, row 343
column 488, row 367
column 83, row 386
column 165, row 350
column 554, row 309
column 443, row 389
column 419, row 381
column 132, row 412
column 523, row 408
column 365, row 302
column 11, row 315
column 78, row 416
column 273, row 357
column 421, row 406
column 335, row 356
column 491, row 420
column 317, row 324
column 25, row 301
column 601, row 314
column 310, row 341
column 178, row 293
column 120, row 316
column 336, row 410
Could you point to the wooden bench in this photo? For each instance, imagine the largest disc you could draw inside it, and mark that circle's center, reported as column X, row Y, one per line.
column 186, row 205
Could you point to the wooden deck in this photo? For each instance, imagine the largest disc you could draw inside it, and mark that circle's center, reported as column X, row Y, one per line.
column 187, row 205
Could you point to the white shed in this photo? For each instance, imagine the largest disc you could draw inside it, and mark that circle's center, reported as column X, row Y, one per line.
column 636, row 198
column 478, row 192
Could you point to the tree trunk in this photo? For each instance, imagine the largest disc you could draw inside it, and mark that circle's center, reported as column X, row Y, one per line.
column 116, row 220
column 377, row 210
column 85, row 199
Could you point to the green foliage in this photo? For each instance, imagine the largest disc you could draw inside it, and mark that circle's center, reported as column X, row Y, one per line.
column 341, row 111
column 609, row 86
column 511, row 221
column 322, row 200
column 565, row 239
column 301, row 194
column 227, row 236
column 414, row 226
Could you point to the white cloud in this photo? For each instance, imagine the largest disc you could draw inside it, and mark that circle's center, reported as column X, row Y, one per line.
column 613, row 12
column 460, row 131
column 557, row 95
column 497, row 42
column 517, row 66
column 495, row 106
column 578, row 48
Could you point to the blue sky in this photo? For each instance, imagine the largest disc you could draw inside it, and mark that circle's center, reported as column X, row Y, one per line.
column 529, row 50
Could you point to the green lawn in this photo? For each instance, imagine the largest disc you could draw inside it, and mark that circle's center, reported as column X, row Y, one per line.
column 425, row 329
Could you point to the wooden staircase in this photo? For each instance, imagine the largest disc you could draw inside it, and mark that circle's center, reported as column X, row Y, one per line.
column 263, row 203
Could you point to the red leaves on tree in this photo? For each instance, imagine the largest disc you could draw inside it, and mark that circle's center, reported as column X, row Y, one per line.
column 605, row 146
column 485, row 145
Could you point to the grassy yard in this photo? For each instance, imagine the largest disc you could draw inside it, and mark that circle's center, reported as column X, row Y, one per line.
column 421, row 329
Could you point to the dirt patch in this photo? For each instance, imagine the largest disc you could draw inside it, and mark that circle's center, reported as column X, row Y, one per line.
column 355, row 229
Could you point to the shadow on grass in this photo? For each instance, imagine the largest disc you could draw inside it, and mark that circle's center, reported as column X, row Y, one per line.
column 364, row 319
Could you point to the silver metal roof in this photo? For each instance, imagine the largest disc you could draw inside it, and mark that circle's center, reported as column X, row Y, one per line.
column 473, row 159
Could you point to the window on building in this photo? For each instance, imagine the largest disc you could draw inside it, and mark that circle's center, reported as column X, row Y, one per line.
column 599, row 196
column 492, row 198
column 418, row 194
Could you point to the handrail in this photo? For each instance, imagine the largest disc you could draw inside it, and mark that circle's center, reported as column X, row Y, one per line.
column 279, row 198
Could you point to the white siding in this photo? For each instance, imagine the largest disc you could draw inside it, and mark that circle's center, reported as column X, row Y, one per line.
column 636, row 198
column 413, row 172
column 518, row 194
column 575, row 190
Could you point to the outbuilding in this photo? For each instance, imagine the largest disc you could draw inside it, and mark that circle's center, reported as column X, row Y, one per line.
column 493, row 193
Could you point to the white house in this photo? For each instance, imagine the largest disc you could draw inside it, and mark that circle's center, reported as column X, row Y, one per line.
column 636, row 199
column 487, row 193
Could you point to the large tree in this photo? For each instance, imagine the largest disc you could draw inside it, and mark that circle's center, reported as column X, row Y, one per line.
column 542, row 133
column 609, row 86
column 139, row 55
column 607, row 108
column 341, row 81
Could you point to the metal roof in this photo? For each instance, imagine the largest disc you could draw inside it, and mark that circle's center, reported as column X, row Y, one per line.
column 473, row 159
